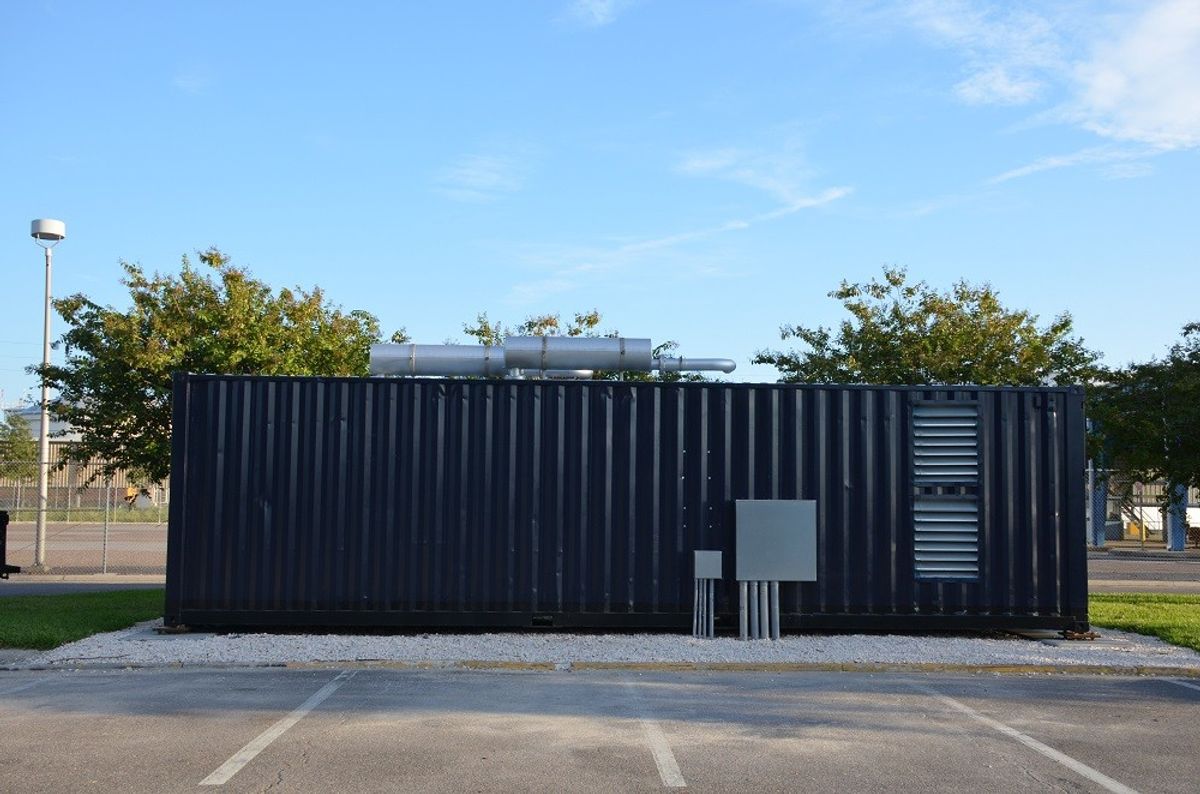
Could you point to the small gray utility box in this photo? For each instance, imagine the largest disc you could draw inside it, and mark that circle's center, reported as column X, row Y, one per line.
column 708, row 564
column 776, row 540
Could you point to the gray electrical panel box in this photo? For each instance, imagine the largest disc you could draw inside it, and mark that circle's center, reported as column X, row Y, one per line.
column 776, row 540
column 708, row 564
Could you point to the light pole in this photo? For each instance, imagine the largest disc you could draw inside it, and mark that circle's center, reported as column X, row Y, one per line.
column 47, row 233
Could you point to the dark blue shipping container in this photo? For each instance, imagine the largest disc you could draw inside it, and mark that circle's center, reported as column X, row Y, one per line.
column 483, row 503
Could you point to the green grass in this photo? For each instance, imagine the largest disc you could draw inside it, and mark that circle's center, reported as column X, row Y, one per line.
column 43, row 622
column 91, row 515
column 1174, row 618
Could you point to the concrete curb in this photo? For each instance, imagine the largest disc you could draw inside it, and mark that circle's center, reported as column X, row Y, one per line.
column 665, row 667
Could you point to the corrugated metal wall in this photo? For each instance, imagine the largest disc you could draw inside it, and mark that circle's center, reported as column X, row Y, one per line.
column 476, row 502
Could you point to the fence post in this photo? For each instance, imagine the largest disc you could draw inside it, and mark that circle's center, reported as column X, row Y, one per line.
column 1177, row 518
column 1099, row 507
column 107, row 503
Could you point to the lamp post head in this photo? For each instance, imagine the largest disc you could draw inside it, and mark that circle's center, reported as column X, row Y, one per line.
column 47, row 230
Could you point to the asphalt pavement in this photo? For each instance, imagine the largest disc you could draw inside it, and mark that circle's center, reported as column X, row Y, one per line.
column 1129, row 573
column 86, row 548
column 404, row 730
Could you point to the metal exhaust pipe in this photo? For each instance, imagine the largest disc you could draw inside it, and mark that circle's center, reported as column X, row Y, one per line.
column 556, row 357
column 568, row 374
column 681, row 364
column 544, row 353
column 461, row 360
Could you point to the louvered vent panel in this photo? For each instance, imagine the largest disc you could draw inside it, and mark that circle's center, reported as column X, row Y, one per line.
column 947, row 537
column 945, row 445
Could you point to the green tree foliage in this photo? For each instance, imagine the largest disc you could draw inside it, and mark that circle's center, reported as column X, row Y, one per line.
column 1148, row 415
column 115, row 385
column 910, row 333
column 488, row 332
column 18, row 449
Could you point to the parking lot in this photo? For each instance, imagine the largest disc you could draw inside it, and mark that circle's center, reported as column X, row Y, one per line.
column 394, row 730
column 87, row 548
column 1129, row 573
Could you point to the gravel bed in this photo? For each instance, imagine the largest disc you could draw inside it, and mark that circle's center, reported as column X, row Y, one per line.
column 142, row 646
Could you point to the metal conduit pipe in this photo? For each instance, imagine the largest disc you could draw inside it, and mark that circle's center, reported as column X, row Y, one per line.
column 774, row 610
column 743, row 611
column 711, row 609
column 764, row 612
column 755, row 630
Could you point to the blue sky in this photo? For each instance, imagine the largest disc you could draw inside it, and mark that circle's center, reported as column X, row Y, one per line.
column 701, row 171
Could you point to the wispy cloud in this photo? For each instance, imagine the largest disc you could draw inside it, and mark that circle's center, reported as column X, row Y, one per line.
column 481, row 177
column 924, row 207
column 1142, row 83
column 1126, row 72
column 782, row 172
column 193, row 81
column 996, row 85
column 779, row 173
column 572, row 266
column 1007, row 49
column 1093, row 155
column 1128, row 170
column 595, row 13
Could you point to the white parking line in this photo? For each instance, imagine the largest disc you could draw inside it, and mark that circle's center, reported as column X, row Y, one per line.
column 1099, row 778
column 660, row 749
column 244, row 756
column 1183, row 683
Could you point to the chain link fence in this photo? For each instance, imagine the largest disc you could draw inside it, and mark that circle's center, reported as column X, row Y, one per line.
column 1134, row 511
column 94, row 524
column 116, row 525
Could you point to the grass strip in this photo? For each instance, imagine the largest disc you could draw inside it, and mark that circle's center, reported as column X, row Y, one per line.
column 1174, row 618
column 118, row 515
column 42, row 622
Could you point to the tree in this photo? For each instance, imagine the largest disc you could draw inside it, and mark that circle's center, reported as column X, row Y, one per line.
column 18, row 449
column 491, row 333
column 18, row 454
column 905, row 333
column 115, row 385
column 487, row 332
column 1148, row 415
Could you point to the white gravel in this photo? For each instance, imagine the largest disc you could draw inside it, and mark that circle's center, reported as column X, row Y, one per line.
column 142, row 646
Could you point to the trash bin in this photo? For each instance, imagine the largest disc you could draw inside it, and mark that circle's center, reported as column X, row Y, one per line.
column 5, row 568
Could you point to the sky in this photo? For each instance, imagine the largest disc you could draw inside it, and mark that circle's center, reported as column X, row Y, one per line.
column 702, row 171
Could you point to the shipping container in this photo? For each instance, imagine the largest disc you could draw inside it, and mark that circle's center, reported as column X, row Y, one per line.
column 485, row 503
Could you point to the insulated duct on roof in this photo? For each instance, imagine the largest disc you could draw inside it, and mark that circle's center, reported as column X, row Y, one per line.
column 579, row 352
column 541, row 356
column 462, row 360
